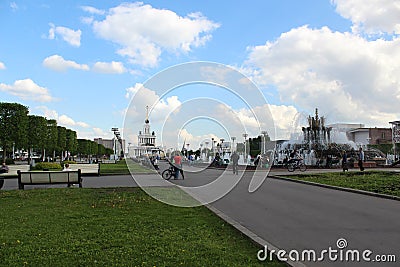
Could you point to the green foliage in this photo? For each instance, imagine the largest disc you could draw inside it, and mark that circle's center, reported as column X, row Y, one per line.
column 13, row 126
column 383, row 182
column 71, row 142
column 9, row 161
column 115, row 227
column 62, row 139
column 69, row 162
column 48, row 166
column 37, row 132
column 52, row 135
column 121, row 168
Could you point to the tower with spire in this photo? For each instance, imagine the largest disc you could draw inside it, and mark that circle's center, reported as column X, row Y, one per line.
column 146, row 140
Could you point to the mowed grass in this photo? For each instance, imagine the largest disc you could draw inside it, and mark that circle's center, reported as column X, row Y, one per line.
column 382, row 182
column 114, row 227
column 121, row 168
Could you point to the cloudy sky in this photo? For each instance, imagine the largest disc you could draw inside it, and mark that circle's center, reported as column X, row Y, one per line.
column 84, row 63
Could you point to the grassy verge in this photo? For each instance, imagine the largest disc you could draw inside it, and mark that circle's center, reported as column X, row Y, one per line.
column 121, row 168
column 114, row 227
column 382, row 182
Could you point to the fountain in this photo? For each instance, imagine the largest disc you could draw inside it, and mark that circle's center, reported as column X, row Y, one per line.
column 318, row 145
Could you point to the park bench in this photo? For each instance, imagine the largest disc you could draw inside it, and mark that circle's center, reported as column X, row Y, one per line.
column 86, row 169
column 49, row 177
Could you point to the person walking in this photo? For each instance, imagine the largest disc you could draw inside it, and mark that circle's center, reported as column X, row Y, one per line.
column 235, row 162
column 344, row 161
column 361, row 158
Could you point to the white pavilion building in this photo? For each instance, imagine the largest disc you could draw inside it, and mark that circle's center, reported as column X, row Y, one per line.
column 146, row 141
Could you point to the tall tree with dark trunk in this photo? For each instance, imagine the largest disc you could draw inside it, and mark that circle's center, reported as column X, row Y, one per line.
column 52, row 137
column 13, row 126
column 37, row 134
column 61, row 141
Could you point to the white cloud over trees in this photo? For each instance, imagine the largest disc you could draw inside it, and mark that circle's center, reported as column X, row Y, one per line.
column 27, row 90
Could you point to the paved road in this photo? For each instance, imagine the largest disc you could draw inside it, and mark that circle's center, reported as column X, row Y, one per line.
column 296, row 216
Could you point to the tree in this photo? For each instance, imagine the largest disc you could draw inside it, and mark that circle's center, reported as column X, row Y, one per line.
column 13, row 126
column 61, row 140
column 52, row 137
column 37, row 133
column 71, row 141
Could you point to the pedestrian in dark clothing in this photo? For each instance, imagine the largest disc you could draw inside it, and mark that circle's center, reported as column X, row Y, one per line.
column 235, row 162
column 344, row 161
column 361, row 159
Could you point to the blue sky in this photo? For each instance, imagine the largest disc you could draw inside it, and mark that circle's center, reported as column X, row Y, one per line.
column 80, row 61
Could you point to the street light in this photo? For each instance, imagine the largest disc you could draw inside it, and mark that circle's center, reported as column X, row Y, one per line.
column 222, row 145
column 233, row 144
column 264, row 133
column 245, row 141
column 116, row 133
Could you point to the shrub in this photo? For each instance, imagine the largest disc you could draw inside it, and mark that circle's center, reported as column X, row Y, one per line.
column 9, row 161
column 47, row 166
column 69, row 162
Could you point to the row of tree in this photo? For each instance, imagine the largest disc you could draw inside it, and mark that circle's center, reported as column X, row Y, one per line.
column 20, row 131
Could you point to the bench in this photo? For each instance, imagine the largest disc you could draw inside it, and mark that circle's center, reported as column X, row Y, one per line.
column 86, row 169
column 49, row 177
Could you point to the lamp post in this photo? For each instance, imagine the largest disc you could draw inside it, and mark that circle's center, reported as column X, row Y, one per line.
column 222, row 145
column 206, row 143
column 116, row 132
column 233, row 144
column 264, row 133
column 245, row 152
column 129, row 144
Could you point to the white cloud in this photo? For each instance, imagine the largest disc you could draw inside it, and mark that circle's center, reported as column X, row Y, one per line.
column 109, row 67
column 58, row 63
column 349, row 78
column 93, row 10
column 27, row 90
column 72, row 37
column 372, row 16
column 14, row 6
column 141, row 97
column 2, row 66
column 152, row 31
column 83, row 129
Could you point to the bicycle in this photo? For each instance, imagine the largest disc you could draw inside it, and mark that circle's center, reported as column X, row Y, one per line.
column 296, row 165
column 168, row 173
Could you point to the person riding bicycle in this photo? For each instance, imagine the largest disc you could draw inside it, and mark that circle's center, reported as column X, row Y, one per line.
column 294, row 157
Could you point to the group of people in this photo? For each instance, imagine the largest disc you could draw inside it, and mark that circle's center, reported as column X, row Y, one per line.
column 360, row 157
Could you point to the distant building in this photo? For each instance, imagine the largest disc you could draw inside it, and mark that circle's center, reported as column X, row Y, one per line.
column 345, row 127
column 370, row 136
column 109, row 143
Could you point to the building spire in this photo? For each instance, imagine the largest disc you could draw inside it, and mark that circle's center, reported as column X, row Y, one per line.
column 147, row 115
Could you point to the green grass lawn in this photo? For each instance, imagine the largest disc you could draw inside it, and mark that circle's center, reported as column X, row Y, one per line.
column 114, row 227
column 383, row 182
column 121, row 168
